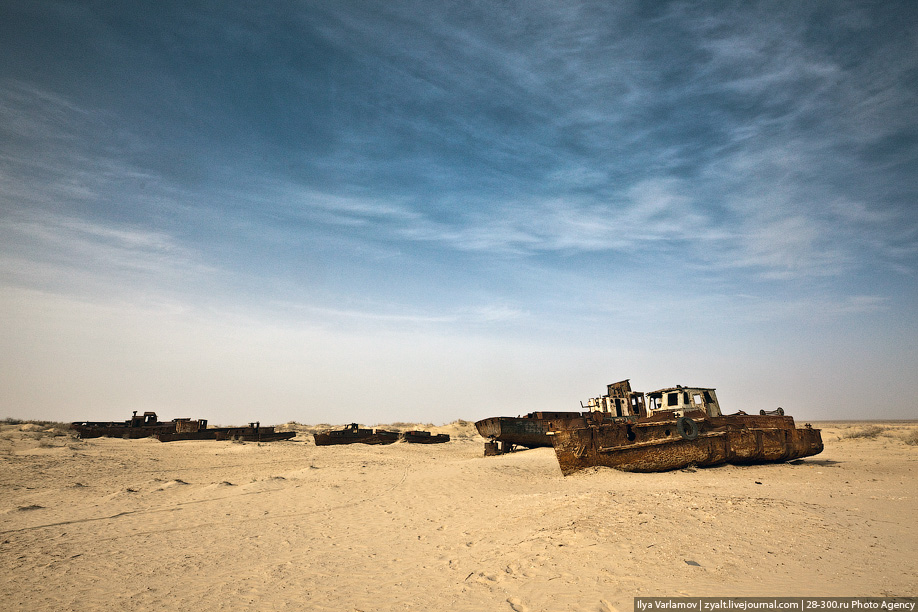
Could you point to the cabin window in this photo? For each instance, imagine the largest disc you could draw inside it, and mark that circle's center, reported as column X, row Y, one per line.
column 707, row 398
column 685, row 398
column 672, row 399
column 697, row 399
column 618, row 406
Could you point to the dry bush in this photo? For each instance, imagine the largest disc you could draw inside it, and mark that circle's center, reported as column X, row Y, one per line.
column 397, row 425
column 870, row 431
column 911, row 437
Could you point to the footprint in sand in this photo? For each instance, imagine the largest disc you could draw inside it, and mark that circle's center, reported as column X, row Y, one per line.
column 516, row 605
column 605, row 606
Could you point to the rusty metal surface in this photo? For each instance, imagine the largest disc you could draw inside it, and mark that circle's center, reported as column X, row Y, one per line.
column 660, row 444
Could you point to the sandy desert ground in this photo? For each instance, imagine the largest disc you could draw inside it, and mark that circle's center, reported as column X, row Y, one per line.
column 111, row 524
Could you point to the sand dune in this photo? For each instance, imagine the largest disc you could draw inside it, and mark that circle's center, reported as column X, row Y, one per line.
column 108, row 524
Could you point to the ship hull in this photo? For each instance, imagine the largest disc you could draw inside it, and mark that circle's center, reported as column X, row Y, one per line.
column 659, row 445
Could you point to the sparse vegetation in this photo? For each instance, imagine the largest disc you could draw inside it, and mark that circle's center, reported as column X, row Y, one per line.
column 870, row 431
column 47, row 434
column 911, row 437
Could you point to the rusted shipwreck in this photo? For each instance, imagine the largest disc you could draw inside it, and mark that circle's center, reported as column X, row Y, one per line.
column 138, row 426
column 675, row 428
column 354, row 434
column 149, row 426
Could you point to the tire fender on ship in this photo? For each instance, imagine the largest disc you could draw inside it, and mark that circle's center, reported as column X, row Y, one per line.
column 687, row 428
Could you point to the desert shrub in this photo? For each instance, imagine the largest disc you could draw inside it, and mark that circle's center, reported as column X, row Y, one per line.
column 870, row 431
column 911, row 437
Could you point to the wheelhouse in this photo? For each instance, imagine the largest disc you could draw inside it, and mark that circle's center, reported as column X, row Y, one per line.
column 681, row 399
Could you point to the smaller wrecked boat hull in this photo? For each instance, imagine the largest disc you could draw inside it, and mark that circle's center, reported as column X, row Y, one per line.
column 352, row 434
column 257, row 434
column 273, row 436
column 138, row 426
column 424, row 437
column 242, row 434
column 530, row 431
column 662, row 445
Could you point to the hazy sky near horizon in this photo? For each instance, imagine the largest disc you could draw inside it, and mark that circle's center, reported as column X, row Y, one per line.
column 422, row 211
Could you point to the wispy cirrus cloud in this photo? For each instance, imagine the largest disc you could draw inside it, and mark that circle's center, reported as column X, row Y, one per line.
column 94, row 260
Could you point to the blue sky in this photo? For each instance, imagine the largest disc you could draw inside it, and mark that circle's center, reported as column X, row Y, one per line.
column 423, row 211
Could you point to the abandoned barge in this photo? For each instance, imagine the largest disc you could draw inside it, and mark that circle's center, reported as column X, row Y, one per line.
column 678, row 427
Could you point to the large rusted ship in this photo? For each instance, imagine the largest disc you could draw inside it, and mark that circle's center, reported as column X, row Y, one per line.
column 675, row 428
